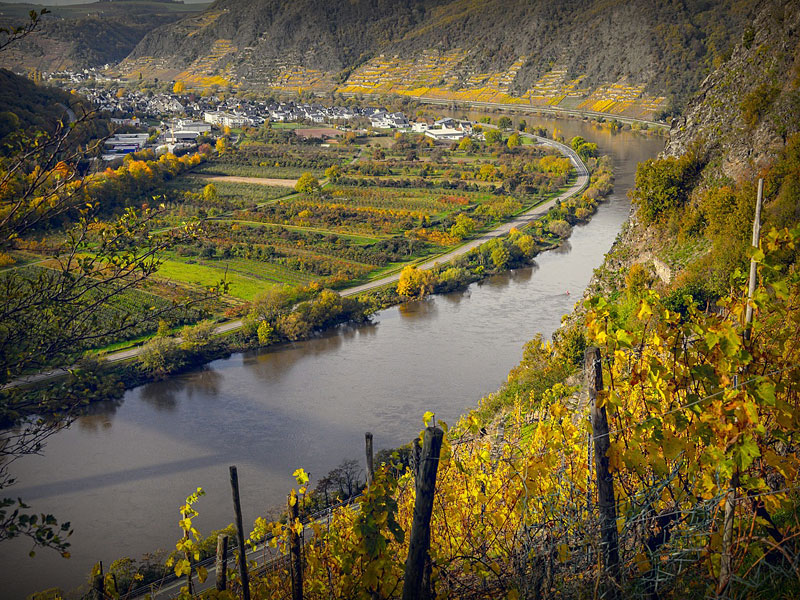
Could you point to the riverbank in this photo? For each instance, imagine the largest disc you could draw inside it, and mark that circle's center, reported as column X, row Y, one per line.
column 120, row 472
column 201, row 356
column 507, row 247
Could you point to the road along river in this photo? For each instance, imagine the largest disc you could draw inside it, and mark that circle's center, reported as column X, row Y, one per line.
column 120, row 473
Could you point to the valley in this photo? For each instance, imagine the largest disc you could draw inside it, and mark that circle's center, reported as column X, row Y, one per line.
column 546, row 254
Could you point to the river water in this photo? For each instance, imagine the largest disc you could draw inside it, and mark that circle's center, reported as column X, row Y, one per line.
column 120, row 474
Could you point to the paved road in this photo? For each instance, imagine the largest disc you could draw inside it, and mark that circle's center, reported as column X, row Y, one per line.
column 518, row 222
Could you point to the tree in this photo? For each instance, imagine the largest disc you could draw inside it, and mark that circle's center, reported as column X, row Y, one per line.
column 466, row 144
column 513, row 141
column 273, row 302
column 504, row 122
column 307, row 184
column 663, row 185
column 414, row 283
column 178, row 88
column 463, row 226
column 221, row 145
column 584, row 149
column 493, row 136
column 560, row 228
column 334, row 173
column 210, row 193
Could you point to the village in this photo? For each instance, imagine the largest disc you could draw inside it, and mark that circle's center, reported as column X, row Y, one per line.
column 180, row 120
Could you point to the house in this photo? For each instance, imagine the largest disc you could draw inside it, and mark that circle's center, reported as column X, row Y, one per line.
column 224, row 119
column 420, row 126
column 445, row 134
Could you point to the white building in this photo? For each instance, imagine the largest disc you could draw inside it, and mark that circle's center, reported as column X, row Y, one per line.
column 445, row 135
column 223, row 119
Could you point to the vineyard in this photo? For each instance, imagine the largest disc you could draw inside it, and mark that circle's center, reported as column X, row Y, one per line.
column 367, row 218
column 384, row 202
column 185, row 195
column 690, row 424
column 277, row 160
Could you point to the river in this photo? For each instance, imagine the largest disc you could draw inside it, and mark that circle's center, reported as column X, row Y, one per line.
column 120, row 474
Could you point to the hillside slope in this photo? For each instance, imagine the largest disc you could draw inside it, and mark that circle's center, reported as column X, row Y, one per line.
column 79, row 36
column 746, row 110
column 695, row 204
column 576, row 53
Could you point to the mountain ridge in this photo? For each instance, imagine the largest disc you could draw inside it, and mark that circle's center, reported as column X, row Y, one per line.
column 454, row 47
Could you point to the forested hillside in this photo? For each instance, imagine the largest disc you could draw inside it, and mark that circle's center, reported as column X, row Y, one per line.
column 78, row 36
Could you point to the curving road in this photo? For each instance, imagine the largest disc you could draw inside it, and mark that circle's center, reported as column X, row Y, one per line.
column 518, row 222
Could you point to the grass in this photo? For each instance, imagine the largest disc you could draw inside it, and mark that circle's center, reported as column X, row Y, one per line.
column 362, row 240
column 239, row 285
column 269, row 271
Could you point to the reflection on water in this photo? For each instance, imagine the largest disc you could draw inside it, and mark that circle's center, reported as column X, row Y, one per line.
column 120, row 475
column 164, row 395
column 99, row 415
column 565, row 247
column 455, row 298
column 419, row 309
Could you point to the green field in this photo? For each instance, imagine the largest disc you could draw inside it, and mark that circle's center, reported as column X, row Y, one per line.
column 239, row 285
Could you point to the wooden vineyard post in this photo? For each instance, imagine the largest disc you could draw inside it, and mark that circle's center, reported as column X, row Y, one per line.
column 296, row 564
column 98, row 583
column 222, row 562
column 370, row 466
column 605, row 483
column 237, row 507
column 416, row 458
column 423, row 509
column 751, row 288
column 730, row 495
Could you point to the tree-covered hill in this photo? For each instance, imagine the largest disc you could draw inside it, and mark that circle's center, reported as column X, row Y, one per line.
column 25, row 105
column 78, row 36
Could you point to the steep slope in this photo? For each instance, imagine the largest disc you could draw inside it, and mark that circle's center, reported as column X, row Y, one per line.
column 86, row 35
column 27, row 105
column 745, row 111
column 563, row 52
column 695, row 204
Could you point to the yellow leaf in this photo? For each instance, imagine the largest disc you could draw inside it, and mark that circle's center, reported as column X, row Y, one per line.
column 300, row 476
column 563, row 553
column 427, row 417
column 642, row 562
column 644, row 311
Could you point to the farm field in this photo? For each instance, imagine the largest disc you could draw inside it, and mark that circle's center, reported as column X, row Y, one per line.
column 241, row 286
column 365, row 209
column 386, row 201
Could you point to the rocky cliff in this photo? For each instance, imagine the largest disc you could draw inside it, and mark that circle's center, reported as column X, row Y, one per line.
column 744, row 111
